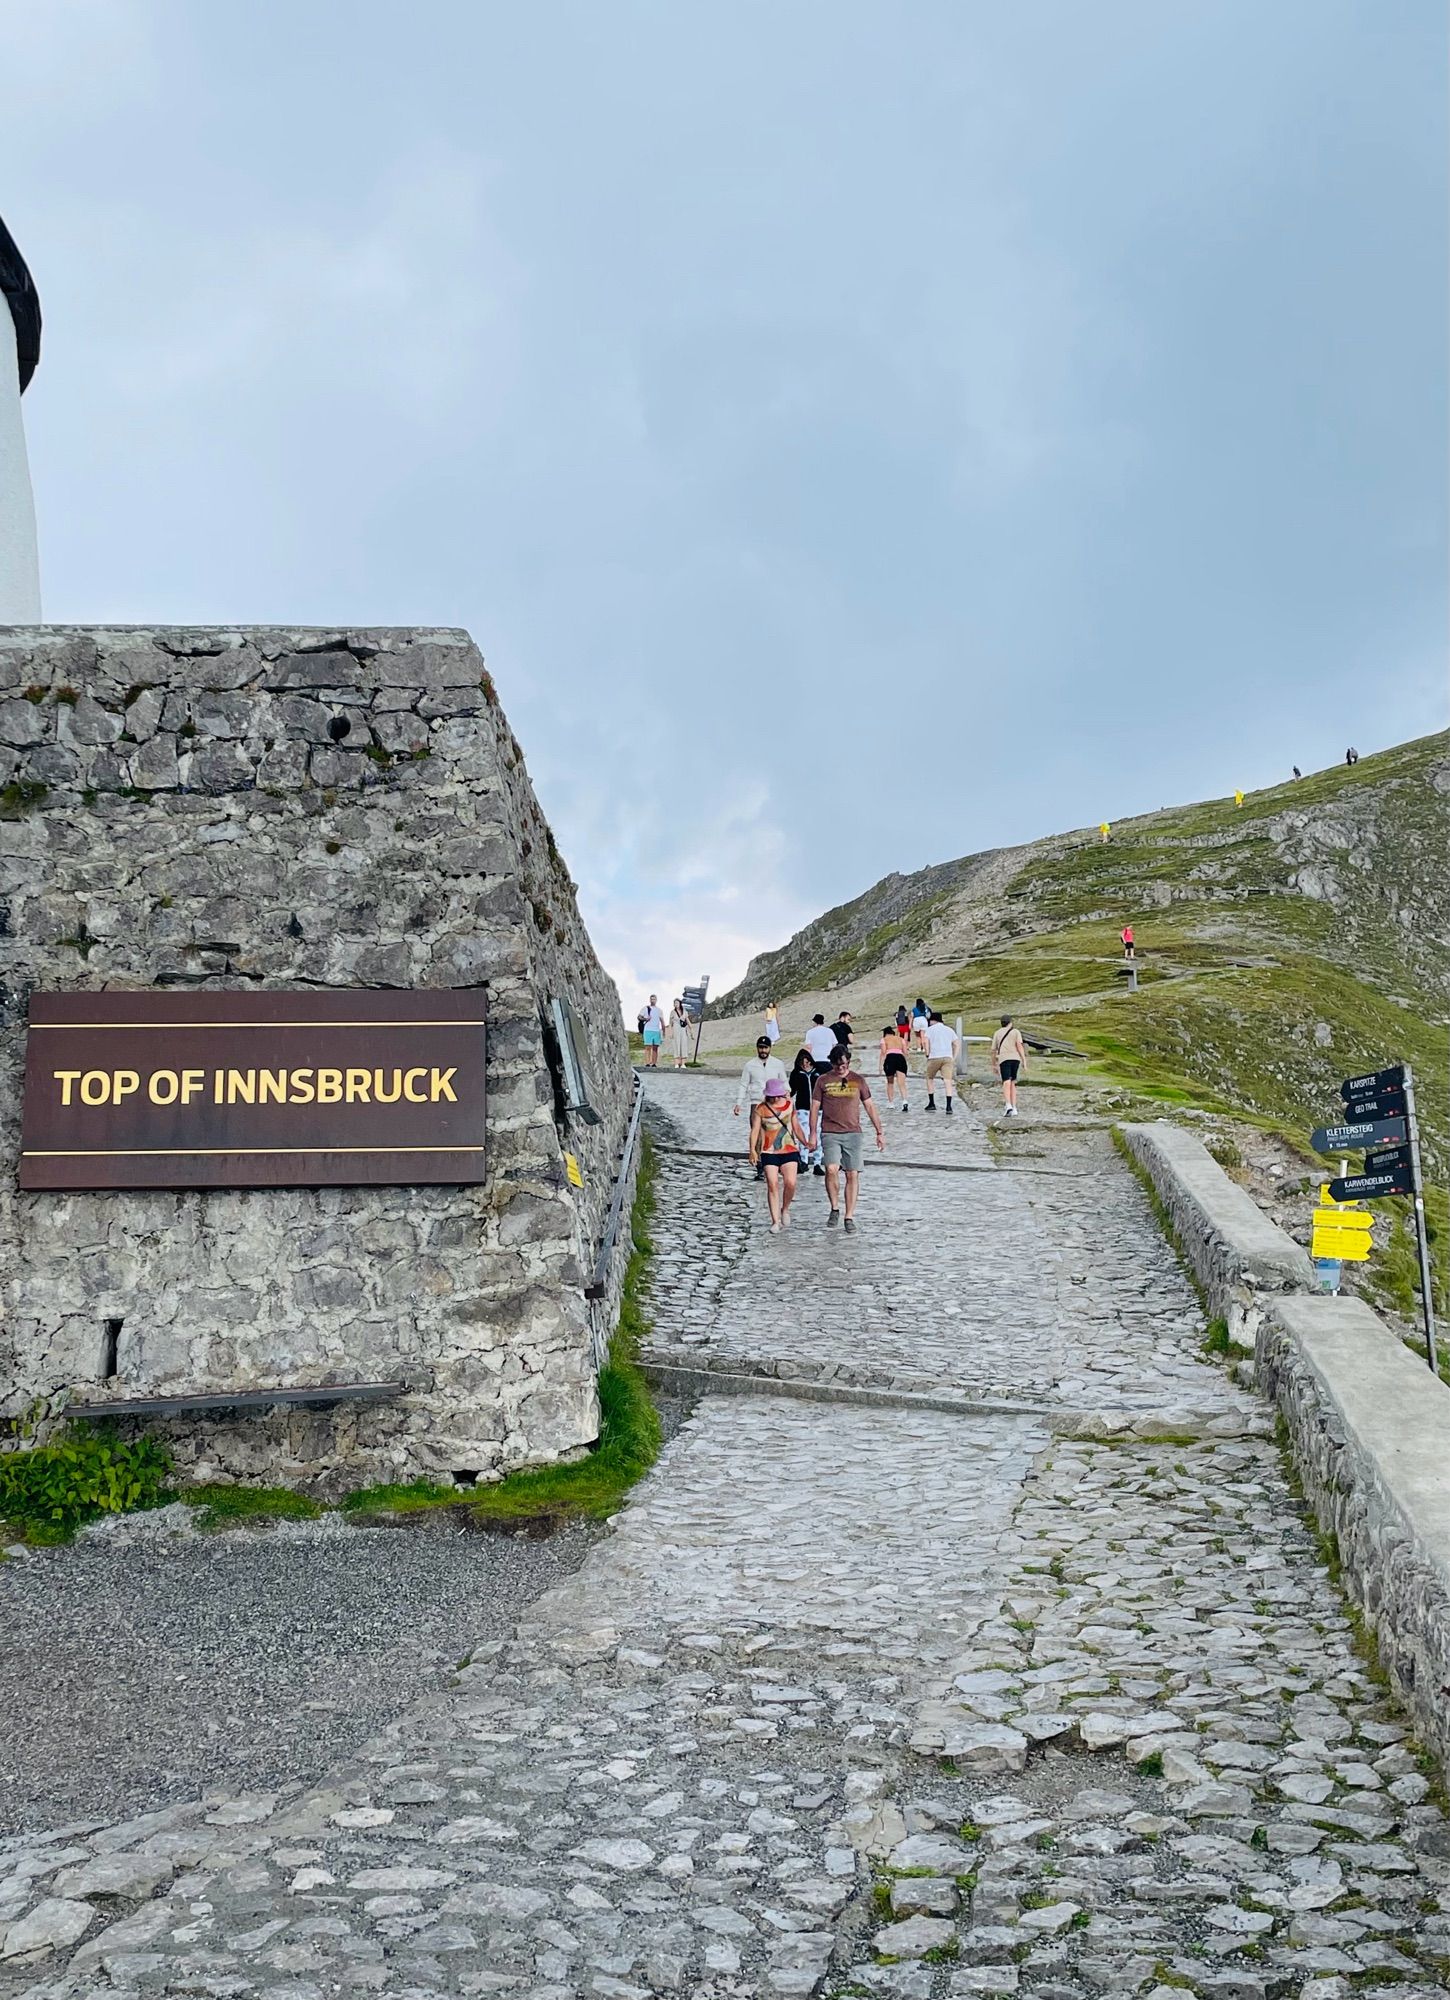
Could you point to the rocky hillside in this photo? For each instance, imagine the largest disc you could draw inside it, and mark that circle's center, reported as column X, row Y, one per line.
column 1283, row 944
column 1351, row 861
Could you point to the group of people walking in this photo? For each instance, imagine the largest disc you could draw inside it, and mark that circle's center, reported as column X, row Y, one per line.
column 810, row 1116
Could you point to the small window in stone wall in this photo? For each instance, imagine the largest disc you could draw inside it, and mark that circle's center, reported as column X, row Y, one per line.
column 568, row 1063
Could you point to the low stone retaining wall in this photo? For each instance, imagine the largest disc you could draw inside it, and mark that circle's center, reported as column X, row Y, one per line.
column 1368, row 1424
column 1240, row 1257
column 1369, row 1427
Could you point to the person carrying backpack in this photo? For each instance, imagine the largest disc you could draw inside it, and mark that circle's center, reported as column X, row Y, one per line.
column 1009, row 1059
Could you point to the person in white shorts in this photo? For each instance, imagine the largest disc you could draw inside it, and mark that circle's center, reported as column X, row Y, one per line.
column 1009, row 1060
column 943, row 1045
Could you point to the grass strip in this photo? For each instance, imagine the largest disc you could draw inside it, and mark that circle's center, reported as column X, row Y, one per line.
column 592, row 1487
column 629, row 1423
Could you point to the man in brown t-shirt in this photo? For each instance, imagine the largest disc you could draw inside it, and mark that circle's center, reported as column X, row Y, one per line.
column 836, row 1105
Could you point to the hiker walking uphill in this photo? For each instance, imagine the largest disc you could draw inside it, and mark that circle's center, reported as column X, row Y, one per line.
column 894, row 1066
column 821, row 1041
column 836, row 1105
column 762, row 1068
column 1009, row 1060
column 943, row 1045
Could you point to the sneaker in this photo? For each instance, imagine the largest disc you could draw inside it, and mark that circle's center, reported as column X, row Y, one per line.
column 949, row 1107
column 931, row 1104
column 785, row 1220
column 833, row 1218
column 904, row 1109
column 850, row 1225
column 819, row 1172
column 775, row 1229
column 1010, row 1112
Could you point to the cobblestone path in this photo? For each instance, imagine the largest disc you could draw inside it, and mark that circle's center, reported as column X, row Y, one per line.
column 857, row 1699
column 1045, row 1283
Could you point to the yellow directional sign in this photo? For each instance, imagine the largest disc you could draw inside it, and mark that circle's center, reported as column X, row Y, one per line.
column 1350, row 1246
column 571, row 1168
column 1349, row 1221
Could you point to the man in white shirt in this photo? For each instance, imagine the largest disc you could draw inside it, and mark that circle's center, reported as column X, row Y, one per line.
column 943, row 1045
column 652, row 1032
column 753, row 1079
column 821, row 1041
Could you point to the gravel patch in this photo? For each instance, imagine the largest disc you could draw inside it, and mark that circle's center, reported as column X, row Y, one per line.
column 143, row 1671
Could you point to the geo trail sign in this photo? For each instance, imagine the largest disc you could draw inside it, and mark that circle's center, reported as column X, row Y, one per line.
column 1384, row 1104
column 1350, row 1138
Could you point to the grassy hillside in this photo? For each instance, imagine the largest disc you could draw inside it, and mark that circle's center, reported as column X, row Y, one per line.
column 1283, row 945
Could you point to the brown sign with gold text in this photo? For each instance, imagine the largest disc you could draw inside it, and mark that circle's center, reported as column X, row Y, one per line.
column 311, row 1089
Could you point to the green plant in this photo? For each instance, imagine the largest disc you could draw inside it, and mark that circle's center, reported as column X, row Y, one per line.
column 410, row 1498
column 50, row 1490
column 188, row 728
column 217, row 1505
column 66, row 697
column 35, row 693
column 19, row 795
column 629, row 1424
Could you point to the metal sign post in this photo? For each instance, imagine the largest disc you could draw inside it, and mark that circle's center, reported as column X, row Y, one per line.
column 1379, row 1119
column 1421, row 1241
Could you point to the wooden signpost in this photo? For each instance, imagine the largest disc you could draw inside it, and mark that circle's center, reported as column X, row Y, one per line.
column 1379, row 1120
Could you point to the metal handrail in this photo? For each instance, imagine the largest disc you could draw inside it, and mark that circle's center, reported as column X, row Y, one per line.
column 599, row 1283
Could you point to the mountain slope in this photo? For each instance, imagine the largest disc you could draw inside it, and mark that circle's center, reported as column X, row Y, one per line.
column 1283, row 944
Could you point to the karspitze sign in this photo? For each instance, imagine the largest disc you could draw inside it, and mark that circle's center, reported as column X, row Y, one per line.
column 306, row 1089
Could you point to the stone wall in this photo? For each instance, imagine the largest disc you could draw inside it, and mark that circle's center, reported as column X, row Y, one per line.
column 304, row 808
column 1368, row 1425
column 1369, row 1428
column 1240, row 1258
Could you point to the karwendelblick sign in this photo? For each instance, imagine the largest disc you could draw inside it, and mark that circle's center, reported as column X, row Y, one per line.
column 256, row 1089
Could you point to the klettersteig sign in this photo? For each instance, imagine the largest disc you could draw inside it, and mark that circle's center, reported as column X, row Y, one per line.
column 257, row 1089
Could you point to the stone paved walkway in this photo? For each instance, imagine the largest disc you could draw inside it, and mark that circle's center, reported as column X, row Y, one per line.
column 1045, row 1283
column 857, row 1699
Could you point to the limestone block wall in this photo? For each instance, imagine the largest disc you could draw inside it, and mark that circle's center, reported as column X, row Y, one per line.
column 1366, row 1423
column 226, row 808
column 1369, row 1427
column 1239, row 1256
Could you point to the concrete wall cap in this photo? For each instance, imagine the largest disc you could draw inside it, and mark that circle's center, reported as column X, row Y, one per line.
column 1391, row 1408
column 1266, row 1257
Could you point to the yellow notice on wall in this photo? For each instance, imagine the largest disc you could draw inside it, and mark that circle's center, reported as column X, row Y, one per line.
column 573, row 1170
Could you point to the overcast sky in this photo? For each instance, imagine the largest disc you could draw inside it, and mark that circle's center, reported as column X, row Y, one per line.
column 855, row 435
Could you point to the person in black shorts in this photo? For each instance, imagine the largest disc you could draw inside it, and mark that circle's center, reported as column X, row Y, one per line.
column 802, row 1081
column 894, row 1066
column 1009, row 1059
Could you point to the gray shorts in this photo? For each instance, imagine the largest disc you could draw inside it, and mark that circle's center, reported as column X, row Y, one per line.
column 844, row 1149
